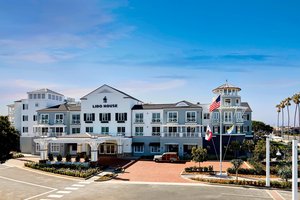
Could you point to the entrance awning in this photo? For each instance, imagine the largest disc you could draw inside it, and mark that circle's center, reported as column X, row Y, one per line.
column 154, row 144
column 137, row 143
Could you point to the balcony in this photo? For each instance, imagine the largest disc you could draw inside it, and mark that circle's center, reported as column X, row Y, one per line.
column 190, row 120
column 49, row 134
column 44, row 121
column 182, row 134
column 155, row 121
column 75, row 121
column 139, row 121
column 172, row 120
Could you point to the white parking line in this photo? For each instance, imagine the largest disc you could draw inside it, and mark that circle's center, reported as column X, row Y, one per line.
column 77, row 185
column 84, row 182
column 71, row 188
column 55, row 196
column 63, row 192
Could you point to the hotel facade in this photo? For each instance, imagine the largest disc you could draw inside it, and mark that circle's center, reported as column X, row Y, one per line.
column 108, row 121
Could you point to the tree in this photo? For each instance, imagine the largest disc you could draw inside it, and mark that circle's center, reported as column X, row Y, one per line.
column 199, row 154
column 248, row 146
column 259, row 126
column 282, row 106
column 260, row 150
column 9, row 139
column 59, row 157
column 287, row 104
column 235, row 146
column 236, row 164
column 285, row 173
column 68, row 157
column 296, row 100
column 278, row 115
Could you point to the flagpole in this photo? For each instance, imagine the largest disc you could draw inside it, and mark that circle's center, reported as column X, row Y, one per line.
column 221, row 130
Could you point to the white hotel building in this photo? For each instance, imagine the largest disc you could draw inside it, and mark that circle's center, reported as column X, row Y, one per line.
column 115, row 123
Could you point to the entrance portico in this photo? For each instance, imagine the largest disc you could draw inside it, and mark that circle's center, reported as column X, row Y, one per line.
column 93, row 140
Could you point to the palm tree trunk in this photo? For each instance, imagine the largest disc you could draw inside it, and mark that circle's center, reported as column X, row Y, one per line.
column 295, row 116
column 278, row 121
column 282, row 122
column 288, row 111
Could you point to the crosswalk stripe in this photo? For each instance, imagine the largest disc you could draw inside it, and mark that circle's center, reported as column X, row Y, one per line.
column 55, row 196
column 71, row 188
column 77, row 185
column 63, row 192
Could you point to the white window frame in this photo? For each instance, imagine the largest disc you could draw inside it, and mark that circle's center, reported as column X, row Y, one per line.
column 171, row 119
column 25, row 118
column 44, row 119
column 104, row 130
column 121, row 130
column 76, row 119
column 89, row 129
column 58, row 119
column 216, row 115
column 155, row 117
column 37, row 147
column 25, row 129
column 206, row 116
column 156, row 133
column 55, row 147
column 226, row 103
column 191, row 119
column 139, row 117
column 239, row 117
column 138, row 148
column 105, row 117
column 139, row 131
column 153, row 148
column 237, row 102
column 120, row 117
column 75, row 132
column 25, row 106
column 228, row 116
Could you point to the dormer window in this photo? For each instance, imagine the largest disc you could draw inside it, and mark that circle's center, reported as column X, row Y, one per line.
column 105, row 100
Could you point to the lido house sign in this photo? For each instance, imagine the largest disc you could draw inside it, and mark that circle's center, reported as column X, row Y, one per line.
column 105, row 106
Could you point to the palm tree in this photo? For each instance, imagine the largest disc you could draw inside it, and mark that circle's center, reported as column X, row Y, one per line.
column 282, row 106
column 278, row 115
column 287, row 104
column 296, row 100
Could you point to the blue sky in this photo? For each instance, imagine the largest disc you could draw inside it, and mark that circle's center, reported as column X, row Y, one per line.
column 157, row 51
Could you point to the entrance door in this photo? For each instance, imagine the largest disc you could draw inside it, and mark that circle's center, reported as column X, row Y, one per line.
column 172, row 148
column 108, row 148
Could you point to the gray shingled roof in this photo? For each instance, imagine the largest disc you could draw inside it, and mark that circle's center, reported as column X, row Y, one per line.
column 164, row 106
column 245, row 104
column 62, row 108
column 226, row 85
column 113, row 89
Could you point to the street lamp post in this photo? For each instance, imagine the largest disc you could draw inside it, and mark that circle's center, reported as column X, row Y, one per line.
column 295, row 170
column 267, row 161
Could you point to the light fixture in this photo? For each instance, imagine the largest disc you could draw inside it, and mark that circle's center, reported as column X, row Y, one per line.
column 278, row 153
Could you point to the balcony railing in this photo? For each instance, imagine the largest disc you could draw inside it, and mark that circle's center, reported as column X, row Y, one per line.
column 190, row 120
column 138, row 121
column 44, row 121
column 172, row 120
column 155, row 120
column 49, row 134
column 182, row 134
column 59, row 121
column 76, row 122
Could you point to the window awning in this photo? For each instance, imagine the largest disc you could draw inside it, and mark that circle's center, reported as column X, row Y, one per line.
column 154, row 144
column 137, row 143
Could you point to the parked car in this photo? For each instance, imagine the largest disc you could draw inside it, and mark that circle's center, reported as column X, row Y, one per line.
column 166, row 157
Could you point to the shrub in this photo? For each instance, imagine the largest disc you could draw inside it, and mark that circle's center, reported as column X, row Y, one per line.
column 68, row 157
column 77, row 159
column 285, row 173
column 17, row 155
column 86, row 158
column 50, row 156
column 59, row 158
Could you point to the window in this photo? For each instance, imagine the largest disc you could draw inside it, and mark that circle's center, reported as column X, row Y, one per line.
column 75, row 130
column 34, row 96
column 59, row 118
column 237, row 102
column 227, row 102
column 216, row 116
column 190, row 116
column 25, row 106
column 60, row 98
column 44, row 131
column 121, row 130
column 43, row 96
column 206, row 116
column 216, row 129
column 104, row 117
column 30, row 96
column 89, row 117
column 155, row 149
column 44, row 119
column 139, row 117
column 155, row 117
column 172, row 129
column 239, row 117
column 25, row 129
column 172, row 117
column 246, row 117
column 59, row 131
column 139, row 131
column 104, row 130
column 56, row 97
column 34, row 118
column 53, row 97
column 49, row 96
column 39, row 96
column 156, row 131
column 227, row 116
column 36, row 104
column 190, row 129
column 138, row 148
column 25, row 118
column 121, row 117
column 76, row 119
column 37, row 147
column 89, row 129
column 54, row 147
column 246, row 129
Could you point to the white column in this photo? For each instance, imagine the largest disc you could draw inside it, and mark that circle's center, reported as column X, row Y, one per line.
column 43, row 148
column 79, row 148
column 267, row 162
column 94, row 150
column 295, row 170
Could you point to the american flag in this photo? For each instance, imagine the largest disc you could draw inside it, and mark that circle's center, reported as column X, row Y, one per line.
column 216, row 104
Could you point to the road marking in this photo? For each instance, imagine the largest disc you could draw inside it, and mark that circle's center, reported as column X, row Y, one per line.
column 10, row 179
column 63, row 192
column 55, row 196
column 248, row 165
column 77, row 185
column 84, row 182
column 275, row 195
column 40, row 194
column 240, row 195
column 71, row 188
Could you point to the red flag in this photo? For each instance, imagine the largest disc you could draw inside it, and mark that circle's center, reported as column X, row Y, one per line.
column 216, row 104
column 208, row 134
